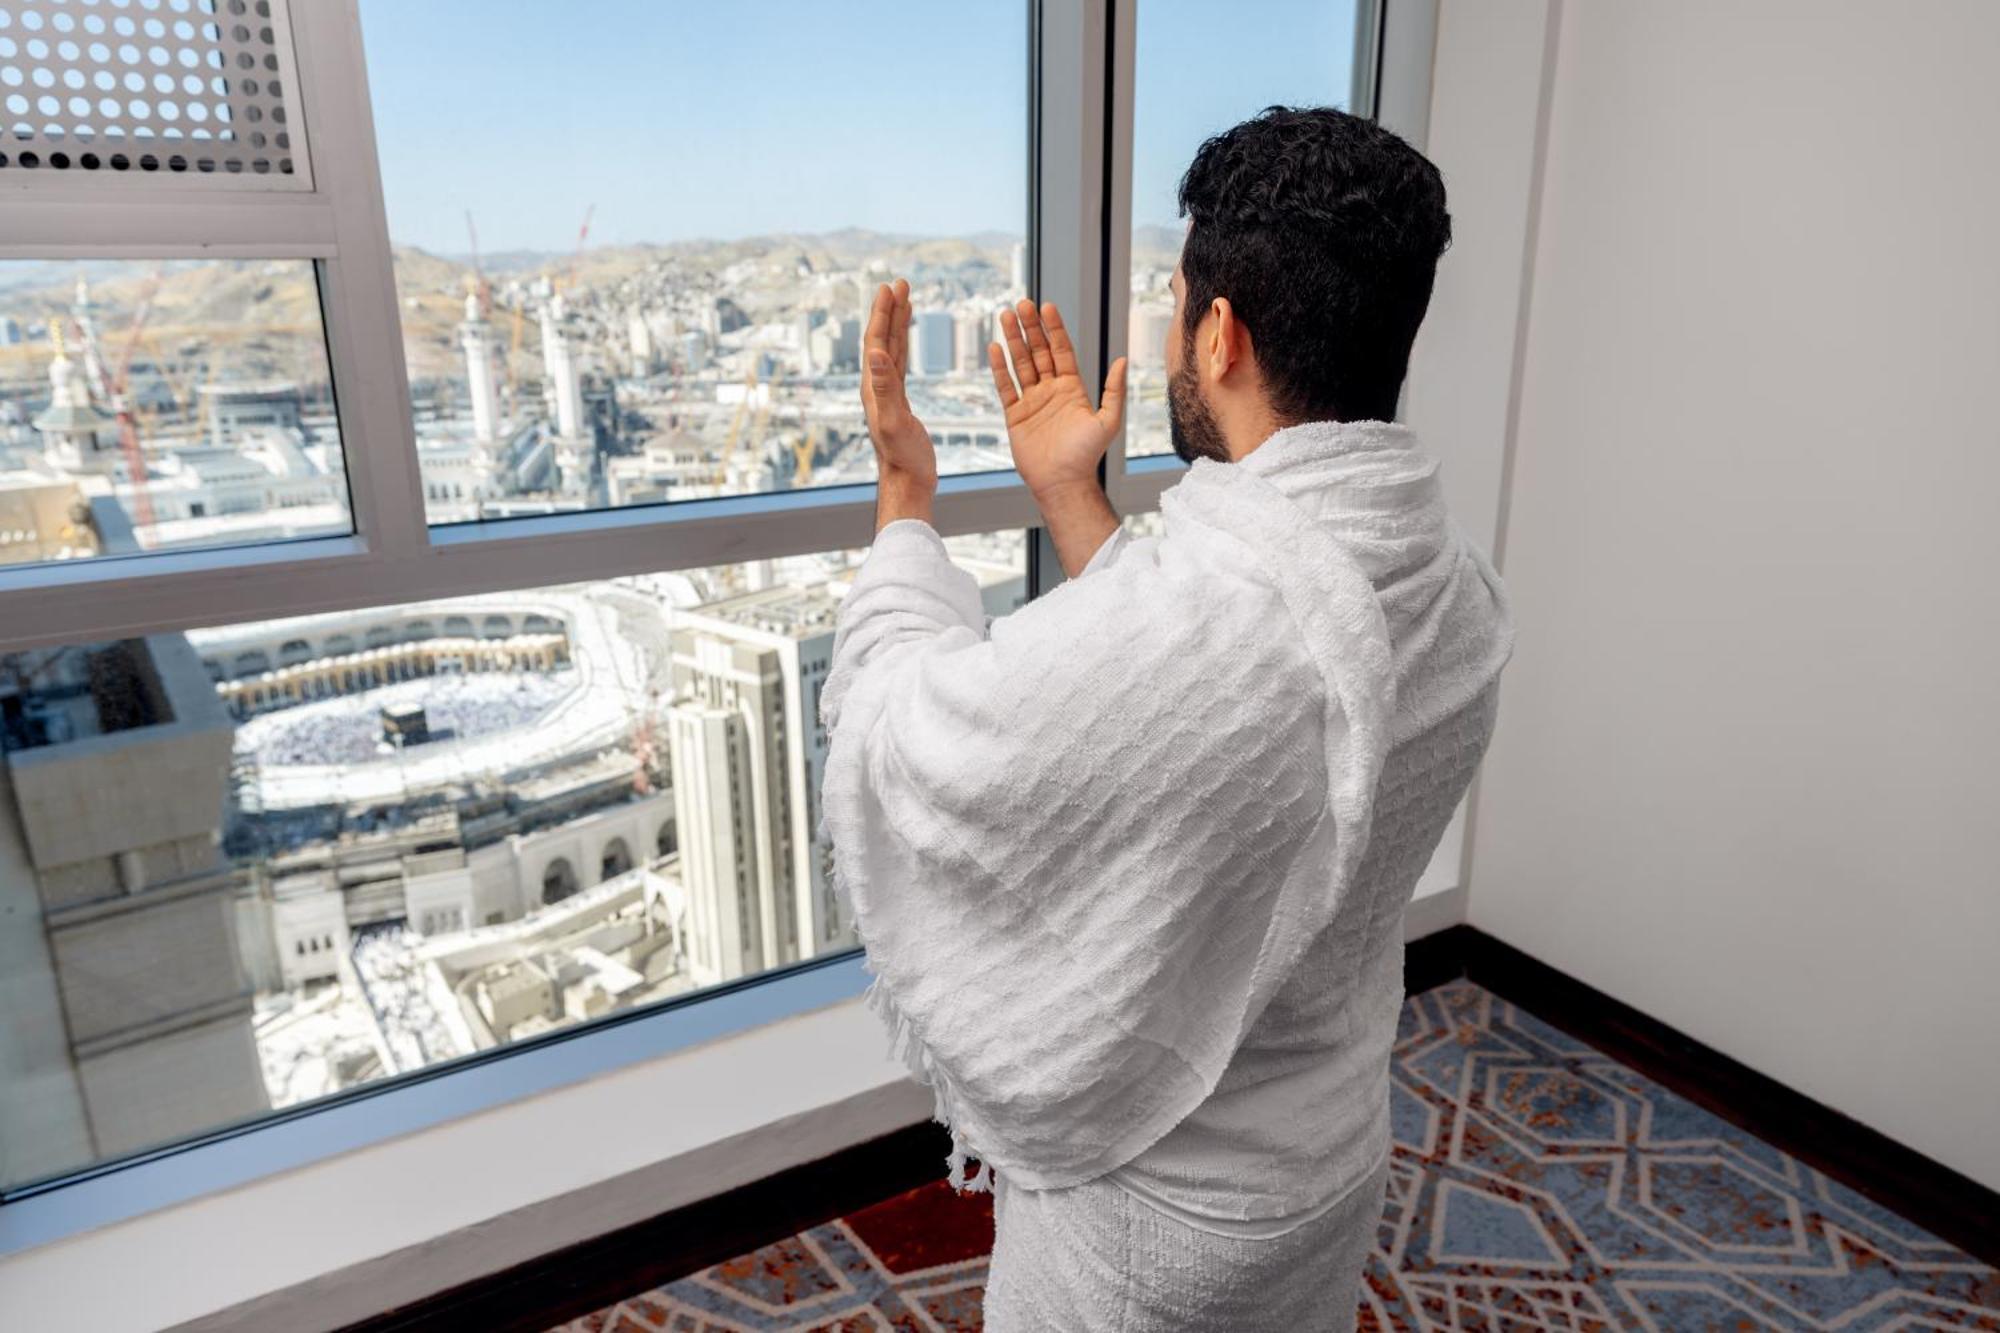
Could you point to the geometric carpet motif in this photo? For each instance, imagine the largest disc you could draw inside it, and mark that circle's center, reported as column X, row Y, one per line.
column 1539, row 1184
column 1536, row 1184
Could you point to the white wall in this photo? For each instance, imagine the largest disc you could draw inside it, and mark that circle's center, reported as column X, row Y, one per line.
column 1744, row 774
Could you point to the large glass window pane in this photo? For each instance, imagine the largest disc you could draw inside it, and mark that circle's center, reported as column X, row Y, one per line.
column 160, row 405
column 249, row 866
column 1297, row 53
column 634, row 241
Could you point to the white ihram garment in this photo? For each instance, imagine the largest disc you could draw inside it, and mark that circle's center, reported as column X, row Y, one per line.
column 1130, row 863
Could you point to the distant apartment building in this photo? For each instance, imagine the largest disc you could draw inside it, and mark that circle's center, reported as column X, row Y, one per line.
column 931, row 342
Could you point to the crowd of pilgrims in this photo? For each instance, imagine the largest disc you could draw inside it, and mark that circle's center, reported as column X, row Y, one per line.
column 348, row 729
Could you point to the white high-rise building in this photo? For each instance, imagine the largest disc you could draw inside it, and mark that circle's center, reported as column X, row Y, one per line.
column 969, row 334
column 694, row 351
column 747, row 750
column 802, row 332
column 476, row 336
column 1017, row 271
column 1146, row 335
column 644, row 353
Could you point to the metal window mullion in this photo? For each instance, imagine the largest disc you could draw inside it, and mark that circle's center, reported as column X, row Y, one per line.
column 1067, row 113
column 1363, row 83
column 1070, row 165
column 364, row 331
column 82, row 601
column 1405, row 51
column 1129, row 494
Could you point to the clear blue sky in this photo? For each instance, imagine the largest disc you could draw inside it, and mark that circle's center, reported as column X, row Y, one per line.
column 729, row 118
column 1201, row 66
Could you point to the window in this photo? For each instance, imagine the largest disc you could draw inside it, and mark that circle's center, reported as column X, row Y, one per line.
column 151, row 406
column 674, row 311
column 429, row 449
column 266, row 837
column 1298, row 52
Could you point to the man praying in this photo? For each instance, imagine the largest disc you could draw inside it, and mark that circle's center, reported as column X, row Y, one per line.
column 1130, row 863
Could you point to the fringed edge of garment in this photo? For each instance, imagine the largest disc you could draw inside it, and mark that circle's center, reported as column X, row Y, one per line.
column 904, row 1043
column 907, row 1046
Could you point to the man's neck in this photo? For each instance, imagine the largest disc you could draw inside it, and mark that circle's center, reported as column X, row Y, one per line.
column 1247, row 434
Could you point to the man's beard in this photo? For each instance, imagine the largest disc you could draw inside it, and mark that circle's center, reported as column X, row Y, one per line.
column 1189, row 421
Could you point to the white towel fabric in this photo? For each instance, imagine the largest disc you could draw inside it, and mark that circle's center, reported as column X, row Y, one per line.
column 1129, row 867
column 1093, row 1259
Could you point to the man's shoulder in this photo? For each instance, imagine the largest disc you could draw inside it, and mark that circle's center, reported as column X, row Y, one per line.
column 1212, row 613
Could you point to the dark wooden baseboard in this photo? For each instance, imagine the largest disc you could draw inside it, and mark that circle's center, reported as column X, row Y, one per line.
column 597, row 1272
column 594, row 1273
column 1433, row 960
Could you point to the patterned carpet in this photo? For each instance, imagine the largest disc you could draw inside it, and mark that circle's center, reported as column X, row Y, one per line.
column 1536, row 1185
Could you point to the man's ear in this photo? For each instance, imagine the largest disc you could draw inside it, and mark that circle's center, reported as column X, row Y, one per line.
column 1228, row 343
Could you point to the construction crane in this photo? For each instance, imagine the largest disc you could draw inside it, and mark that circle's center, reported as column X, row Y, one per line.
column 114, row 387
column 804, row 450
column 568, row 275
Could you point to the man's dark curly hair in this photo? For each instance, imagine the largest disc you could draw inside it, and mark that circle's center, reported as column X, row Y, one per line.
column 1323, row 230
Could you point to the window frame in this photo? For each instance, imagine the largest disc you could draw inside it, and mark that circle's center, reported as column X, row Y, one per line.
column 1079, row 136
column 341, row 224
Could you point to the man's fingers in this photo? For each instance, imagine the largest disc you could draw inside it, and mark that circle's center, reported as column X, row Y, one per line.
column 1060, row 346
column 1002, row 381
column 880, row 313
column 1111, row 409
column 899, row 336
column 882, row 376
column 1038, row 339
column 1017, row 349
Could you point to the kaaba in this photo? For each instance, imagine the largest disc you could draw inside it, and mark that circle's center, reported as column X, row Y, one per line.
column 405, row 725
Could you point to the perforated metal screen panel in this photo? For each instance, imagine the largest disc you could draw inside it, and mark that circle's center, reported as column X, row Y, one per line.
column 191, row 92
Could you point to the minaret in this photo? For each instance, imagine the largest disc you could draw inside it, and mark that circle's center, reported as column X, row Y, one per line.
column 572, row 448
column 77, row 435
column 84, row 312
column 476, row 336
column 559, row 363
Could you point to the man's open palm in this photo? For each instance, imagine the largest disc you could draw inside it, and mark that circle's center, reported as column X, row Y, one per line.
column 1057, row 437
column 901, row 442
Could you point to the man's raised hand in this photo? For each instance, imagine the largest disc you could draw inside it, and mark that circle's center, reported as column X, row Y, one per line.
column 1057, row 437
column 901, row 443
